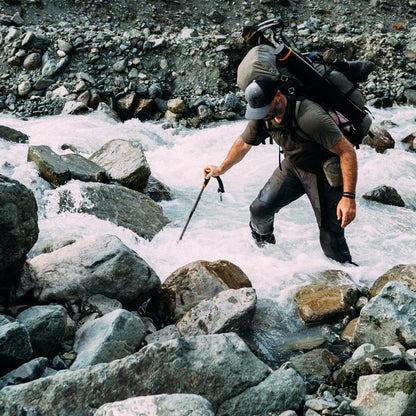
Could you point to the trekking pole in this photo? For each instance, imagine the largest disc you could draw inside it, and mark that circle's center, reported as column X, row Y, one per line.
column 204, row 185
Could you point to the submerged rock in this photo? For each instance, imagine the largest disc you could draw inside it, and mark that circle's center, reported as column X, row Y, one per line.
column 122, row 206
column 385, row 195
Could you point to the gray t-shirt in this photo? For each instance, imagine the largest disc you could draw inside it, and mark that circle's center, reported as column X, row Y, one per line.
column 308, row 149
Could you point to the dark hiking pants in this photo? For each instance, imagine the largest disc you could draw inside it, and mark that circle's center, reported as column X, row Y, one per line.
column 290, row 183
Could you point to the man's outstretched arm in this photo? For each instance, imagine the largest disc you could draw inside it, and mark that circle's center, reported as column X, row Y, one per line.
column 237, row 152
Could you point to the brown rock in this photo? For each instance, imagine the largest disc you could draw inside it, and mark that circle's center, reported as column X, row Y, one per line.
column 320, row 303
column 381, row 139
column 144, row 108
column 410, row 141
column 402, row 273
column 316, row 364
column 349, row 330
column 190, row 284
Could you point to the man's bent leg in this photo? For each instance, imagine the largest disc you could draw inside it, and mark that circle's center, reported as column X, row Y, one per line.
column 282, row 188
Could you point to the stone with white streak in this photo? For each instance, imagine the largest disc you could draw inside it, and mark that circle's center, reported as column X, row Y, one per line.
column 230, row 310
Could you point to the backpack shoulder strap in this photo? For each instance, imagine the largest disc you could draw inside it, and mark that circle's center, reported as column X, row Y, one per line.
column 294, row 104
column 291, row 126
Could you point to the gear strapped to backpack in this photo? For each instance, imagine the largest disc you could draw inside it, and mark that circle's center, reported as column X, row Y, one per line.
column 323, row 79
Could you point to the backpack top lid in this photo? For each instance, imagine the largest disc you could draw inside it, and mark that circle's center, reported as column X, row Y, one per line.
column 259, row 95
column 260, row 60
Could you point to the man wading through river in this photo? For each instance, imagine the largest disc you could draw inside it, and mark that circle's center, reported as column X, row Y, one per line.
column 319, row 161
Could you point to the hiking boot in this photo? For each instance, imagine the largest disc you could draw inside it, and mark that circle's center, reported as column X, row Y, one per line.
column 262, row 240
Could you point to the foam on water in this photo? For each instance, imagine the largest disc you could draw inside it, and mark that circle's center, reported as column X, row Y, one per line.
column 380, row 237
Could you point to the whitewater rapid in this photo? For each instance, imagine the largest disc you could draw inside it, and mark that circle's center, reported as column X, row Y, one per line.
column 380, row 237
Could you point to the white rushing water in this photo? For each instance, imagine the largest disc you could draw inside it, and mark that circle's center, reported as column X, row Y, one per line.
column 380, row 237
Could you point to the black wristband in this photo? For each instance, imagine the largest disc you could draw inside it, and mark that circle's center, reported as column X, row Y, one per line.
column 350, row 195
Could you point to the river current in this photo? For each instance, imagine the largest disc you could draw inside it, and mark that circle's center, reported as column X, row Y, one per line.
column 381, row 236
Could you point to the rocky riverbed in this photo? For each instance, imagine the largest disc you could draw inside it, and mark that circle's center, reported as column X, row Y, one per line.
column 136, row 56
column 75, row 340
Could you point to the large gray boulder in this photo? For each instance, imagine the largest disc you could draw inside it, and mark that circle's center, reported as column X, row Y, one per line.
column 284, row 389
column 115, row 335
column 122, row 206
column 29, row 371
column 58, row 170
column 388, row 318
column 12, row 135
column 386, row 394
column 46, row 325
column 160, row 405
column 228, row 311
column 217, row 367
column 18, row 226
column 125, row 162
column 95, row 265
column 15, row 348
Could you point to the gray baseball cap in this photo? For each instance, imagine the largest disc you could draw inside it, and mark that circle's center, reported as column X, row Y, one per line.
column 259, row 95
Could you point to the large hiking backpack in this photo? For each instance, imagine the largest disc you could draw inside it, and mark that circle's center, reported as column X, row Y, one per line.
column 331, row 83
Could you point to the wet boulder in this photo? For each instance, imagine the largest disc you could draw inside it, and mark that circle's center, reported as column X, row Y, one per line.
column 381, row 140
column 122, row 206
column 12, row 135
column 268, row 334
column 402, row 273
column 322, row 303
column 410, row 142
column 388, row 318
column 89, row 267
column 18, row 226
column 125, row 162
column 192, row 283
column 386, row 195
column 59, row 169
column 157, row 190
